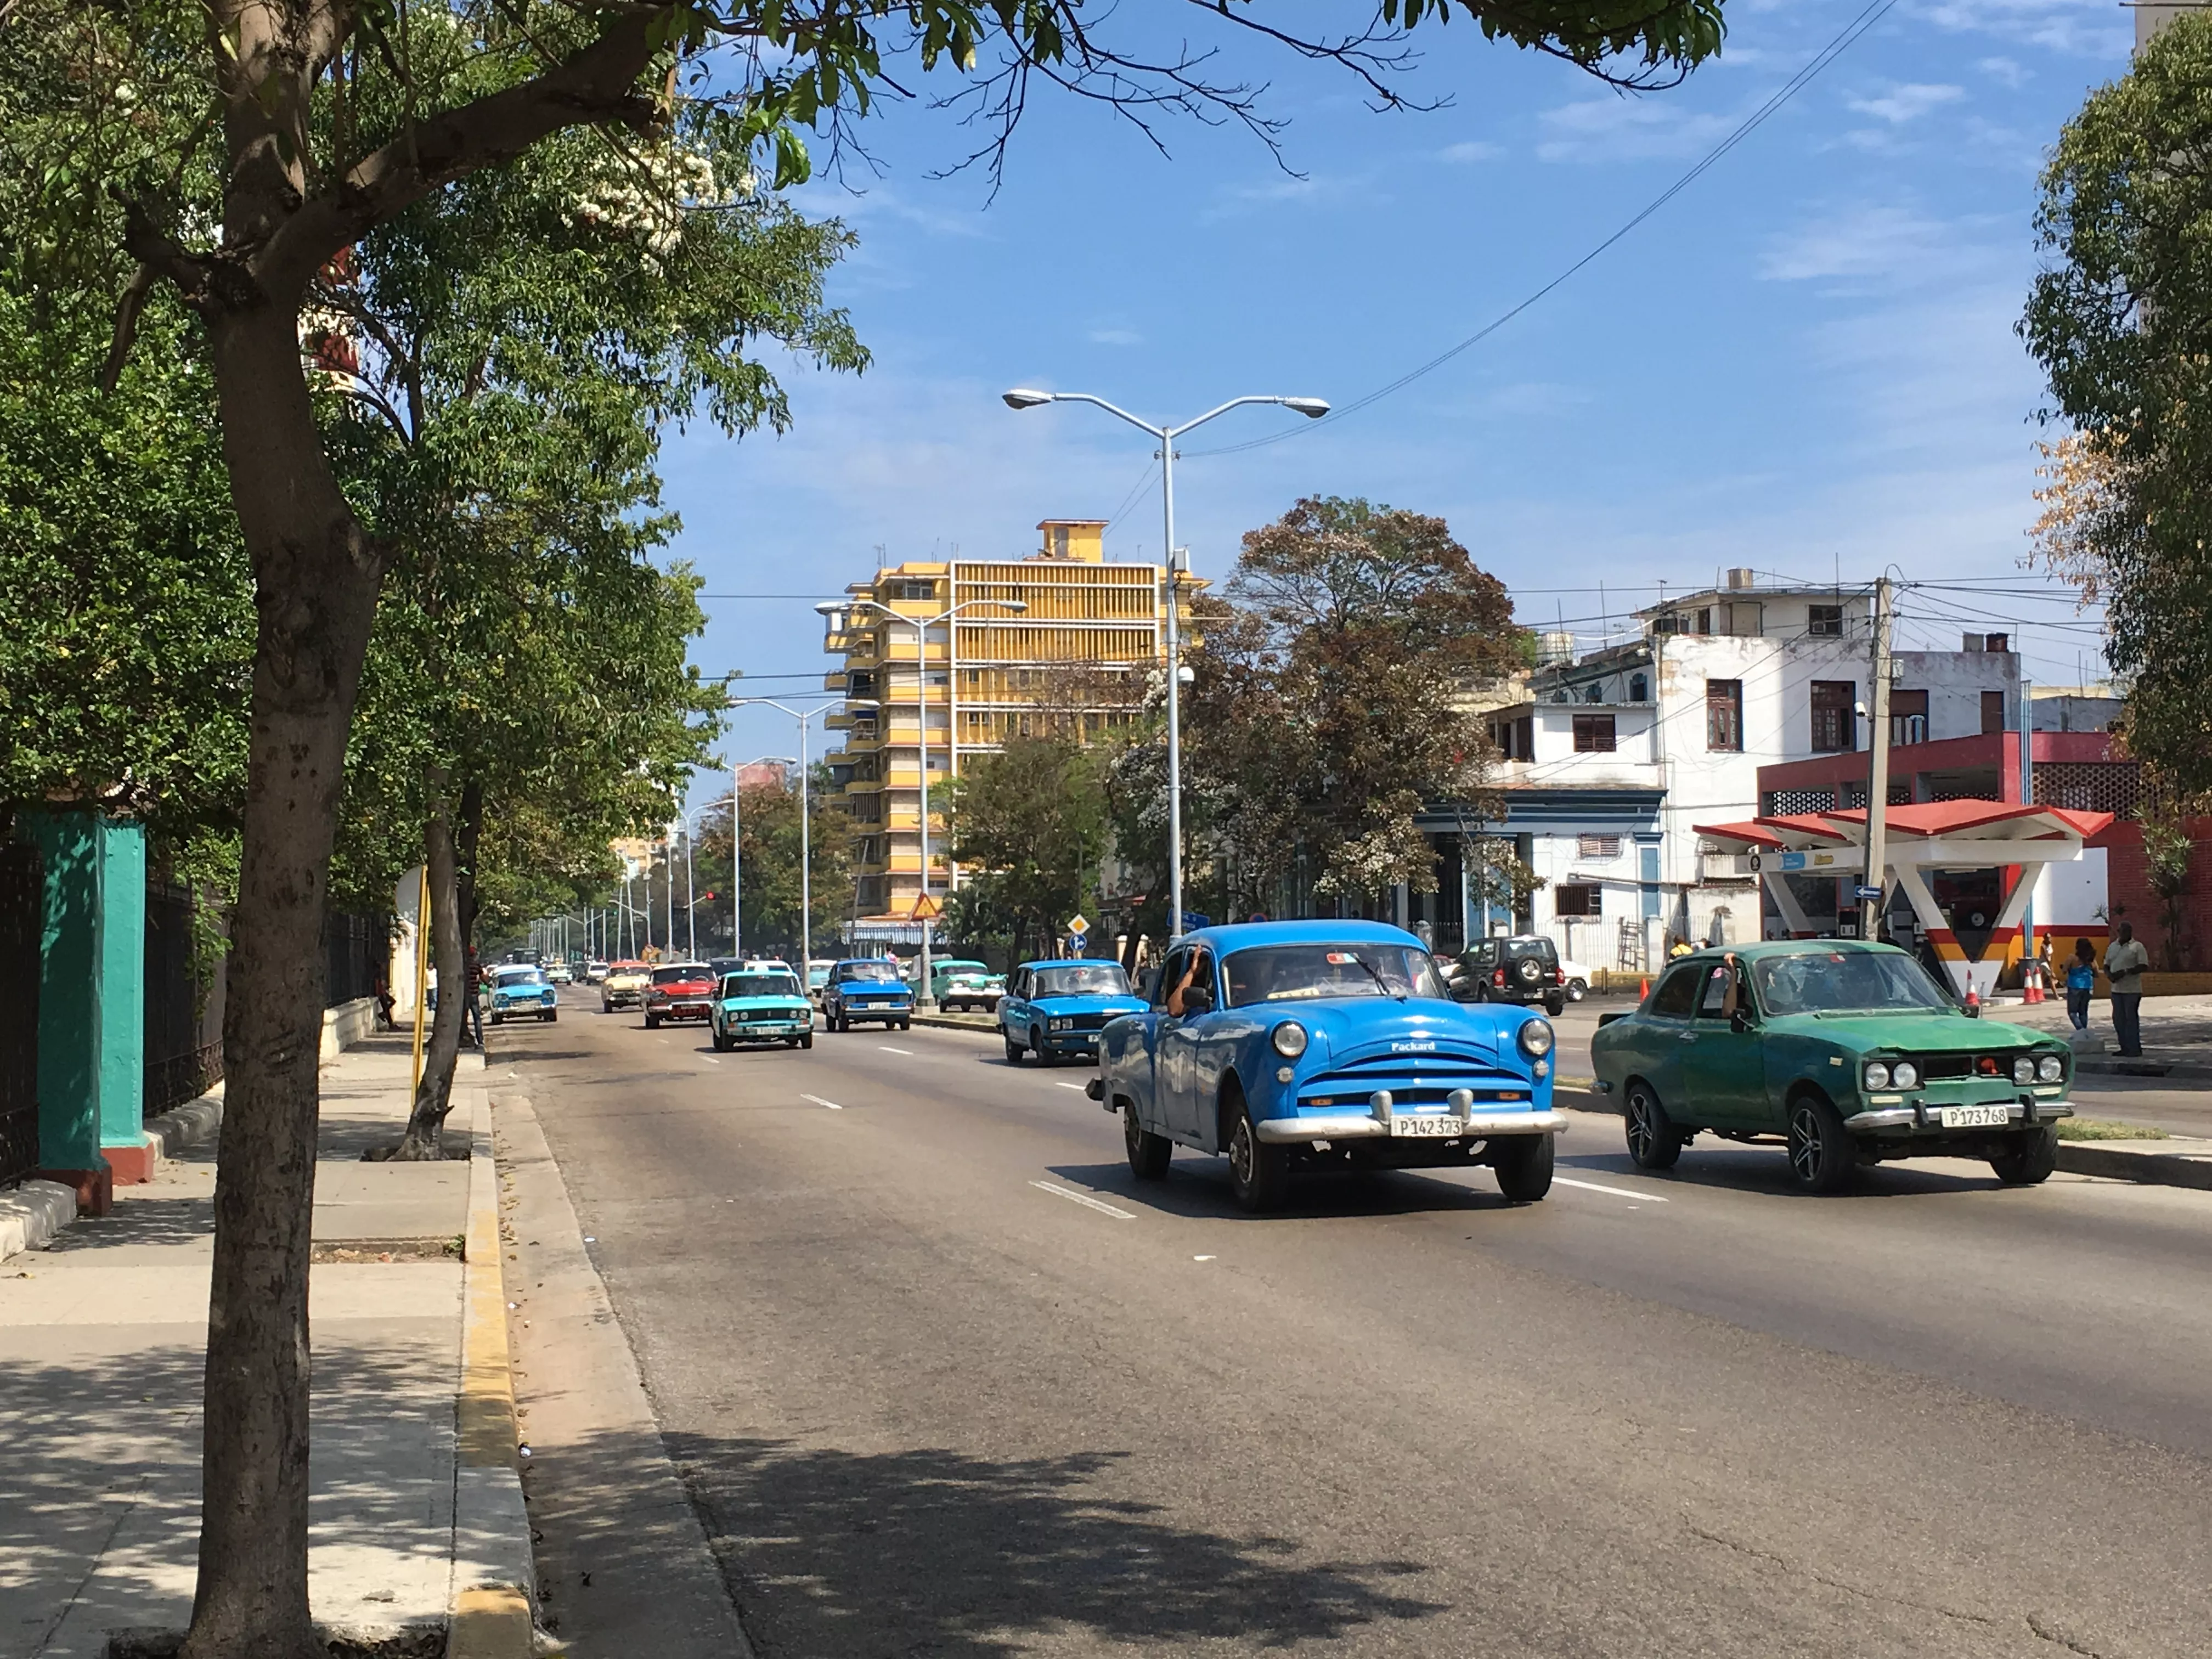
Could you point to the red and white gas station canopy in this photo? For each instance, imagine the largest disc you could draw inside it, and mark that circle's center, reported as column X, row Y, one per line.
column 1965, row 833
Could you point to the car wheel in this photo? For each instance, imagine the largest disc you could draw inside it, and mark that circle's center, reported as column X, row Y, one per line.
column 1556, row 1004
column 1822, row 1159
column 721, row 1044
column 1044, row 1055
column 1653, row 1142
column 550, row 1017
column 653, row 1022
column 1148, row 1152
column 1577, row 989
column 1014, row 1050
column 2027, row 1159
column 1523, row 1167
column 1260, row 1172
column 806, row 1040
column 495, row 1019
column 906, row 1025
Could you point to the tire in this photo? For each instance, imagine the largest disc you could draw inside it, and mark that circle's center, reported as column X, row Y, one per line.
column 1037, row 1046
column 1148, row 1152
column 806, row 1040
column 1014, row 1050
column 1822, row 1159
column 1654, row 1143
column 1556, row 1004
column 906, row 1025
column 1259, row 1172
column 721, row 1043
column 653, row 1022
column 1522, row 1164
column 1527, row 972
column 2028, row 1159
column 1577, row 989
column 497, row 1019
column 550, row 1018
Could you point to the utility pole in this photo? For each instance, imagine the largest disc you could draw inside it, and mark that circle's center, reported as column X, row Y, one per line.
column 1877, row 830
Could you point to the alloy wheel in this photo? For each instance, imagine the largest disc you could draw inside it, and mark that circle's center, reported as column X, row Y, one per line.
column 1240, row 1152
column 1641, row 1137
column 1805, row 1144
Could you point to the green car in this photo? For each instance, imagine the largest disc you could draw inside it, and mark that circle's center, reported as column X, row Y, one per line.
column 761, row 1007
column 1847, row 1052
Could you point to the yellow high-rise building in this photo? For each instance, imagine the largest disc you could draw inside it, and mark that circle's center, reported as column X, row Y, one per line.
column 971, row 682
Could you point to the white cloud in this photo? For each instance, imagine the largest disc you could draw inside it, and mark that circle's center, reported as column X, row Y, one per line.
column 1907, row 101
column 2062, row 26
column 1472, row 150
column 1869, row 242
column 1115, row 336
column 1615, row 129
column 2004, row 69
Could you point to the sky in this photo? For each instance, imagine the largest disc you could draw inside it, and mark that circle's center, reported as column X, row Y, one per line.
column 1805, row 362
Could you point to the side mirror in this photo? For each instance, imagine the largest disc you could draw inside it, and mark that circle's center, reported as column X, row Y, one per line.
column 1462, row 989
column 1741, row 1021
column 1197, row 1001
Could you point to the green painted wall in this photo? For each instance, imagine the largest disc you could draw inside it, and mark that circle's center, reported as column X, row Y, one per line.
column 92, row 1010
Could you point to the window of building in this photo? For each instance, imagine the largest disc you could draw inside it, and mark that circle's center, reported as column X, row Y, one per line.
column 1639, row 688
column 917, row 590
column 1602, row 849
column 1744, row 618
column 1993, row 711
column 1908, row 717
column 1705, row 619
column 1594, row 734
column 1594, row 692
column 1724, row 715
column 1835, row 728
column 1577, row 898
column 1825, row 620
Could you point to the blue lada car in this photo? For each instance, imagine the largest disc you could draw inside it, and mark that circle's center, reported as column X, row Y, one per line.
column 1327, row 1045
column 862, row 988
column 1057, row 1010
column 522, row 992
column 766, row 1006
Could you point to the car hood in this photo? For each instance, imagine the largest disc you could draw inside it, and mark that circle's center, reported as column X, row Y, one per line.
column 519, row 990
column 686, row 988
column 1344, row 1026
column 1089, row 1002
column 1931, row 1033
column 874, row 988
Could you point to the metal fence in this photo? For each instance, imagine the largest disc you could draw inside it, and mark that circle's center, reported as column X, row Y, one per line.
column 22, row 919
column 356, row 950
column 183, row 1007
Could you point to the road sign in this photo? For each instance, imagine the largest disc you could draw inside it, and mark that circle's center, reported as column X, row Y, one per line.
column 1078, row 925
column 927, row 908
column 1868, row 893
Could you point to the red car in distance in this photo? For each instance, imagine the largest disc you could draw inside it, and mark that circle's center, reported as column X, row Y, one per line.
column 680, row 990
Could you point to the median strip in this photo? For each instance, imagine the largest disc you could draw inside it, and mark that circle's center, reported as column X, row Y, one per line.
column 1085, row 1199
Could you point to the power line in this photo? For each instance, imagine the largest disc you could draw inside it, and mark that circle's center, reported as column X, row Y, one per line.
column 1874, row 12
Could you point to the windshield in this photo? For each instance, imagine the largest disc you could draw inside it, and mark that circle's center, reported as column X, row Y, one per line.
column 681, row 971
column 760, row 985
column 1292, row 973
column 869, row 970
column 1830, row 982
column 1082, row 979
column 520, row 976
column 959, row 967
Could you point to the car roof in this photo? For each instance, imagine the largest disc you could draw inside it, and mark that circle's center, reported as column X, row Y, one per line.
column 1765, row 949
column 1070, row 961
column 1242, row 935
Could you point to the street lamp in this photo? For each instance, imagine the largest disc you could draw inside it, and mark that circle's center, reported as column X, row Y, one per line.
column 1313, row 409
column 923, row 997
column 804, row 717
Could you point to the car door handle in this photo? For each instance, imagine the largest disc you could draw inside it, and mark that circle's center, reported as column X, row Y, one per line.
column 1687, row 1036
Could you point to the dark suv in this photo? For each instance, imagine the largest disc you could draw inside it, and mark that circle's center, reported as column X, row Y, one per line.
column 1524, row 970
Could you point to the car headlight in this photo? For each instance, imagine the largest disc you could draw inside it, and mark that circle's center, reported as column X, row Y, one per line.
column 1905, row 1074
column 1537, row 1038
column 2051, row 1069
column 1289, row 1038
column 1877, row 1074
column 2023, row 1070
column 1060, row 1025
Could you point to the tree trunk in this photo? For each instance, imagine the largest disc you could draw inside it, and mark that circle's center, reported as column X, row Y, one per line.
column 424, row 1140
column 315, row 582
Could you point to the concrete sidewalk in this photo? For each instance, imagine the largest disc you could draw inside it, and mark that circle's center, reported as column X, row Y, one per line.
column 2177, row 1036
column 102, row 1341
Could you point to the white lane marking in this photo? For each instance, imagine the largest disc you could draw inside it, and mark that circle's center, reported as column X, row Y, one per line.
column 1085, row 1199
column 888, row 1049
column 710, row 1059
column 1201, row 1258
column 818, row 1101
column 1068, row 1085
column 1611, row 1192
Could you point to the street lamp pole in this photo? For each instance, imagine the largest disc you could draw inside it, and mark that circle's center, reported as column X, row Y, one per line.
column 1313, row 409
column 923, row 997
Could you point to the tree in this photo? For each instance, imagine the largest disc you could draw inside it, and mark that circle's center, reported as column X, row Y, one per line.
column 2121, row 320
column 1329, row 706
column 236, row 149
column 1032, row 819
column 769, row 819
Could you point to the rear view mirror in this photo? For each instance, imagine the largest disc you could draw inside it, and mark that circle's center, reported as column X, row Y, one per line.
column 1196, row 1001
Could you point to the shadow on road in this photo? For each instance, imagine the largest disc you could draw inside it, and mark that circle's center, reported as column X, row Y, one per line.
column 1764, row 1172
column 959, row 1557
column 1197, row 1188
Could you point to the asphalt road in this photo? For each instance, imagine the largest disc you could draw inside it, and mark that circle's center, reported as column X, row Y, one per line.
column 944, row 1380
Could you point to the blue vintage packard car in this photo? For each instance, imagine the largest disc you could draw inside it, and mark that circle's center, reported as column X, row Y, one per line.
column 1327, row 1045
column 522, row 992
column 1055, row 1009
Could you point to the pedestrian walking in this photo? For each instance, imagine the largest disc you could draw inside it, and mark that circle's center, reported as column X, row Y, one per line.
column 2080, row 983
column 2124, row 962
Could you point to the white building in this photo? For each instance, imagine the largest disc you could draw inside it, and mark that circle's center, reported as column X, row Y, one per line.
column 1615, row 755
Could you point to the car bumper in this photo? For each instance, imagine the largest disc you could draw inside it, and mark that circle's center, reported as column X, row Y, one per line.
column 1922, row 1117
column 681, row 1011
column 624, row 998
column 1365, row 1126
column 1069, row 1042
column 763, row 1030
column 878, row 1010
column 505, row 1009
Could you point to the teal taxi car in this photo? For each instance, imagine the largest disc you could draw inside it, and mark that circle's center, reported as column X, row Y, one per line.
column 761, row 1006
column 1321, row 1045
column 1843, row 1053
column 522, row 991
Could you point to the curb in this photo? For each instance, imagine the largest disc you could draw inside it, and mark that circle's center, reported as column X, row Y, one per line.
column 493, row 1573
column 32, row 1214
column 183, row 1127
column 958, row 1021
column 2091, row 1157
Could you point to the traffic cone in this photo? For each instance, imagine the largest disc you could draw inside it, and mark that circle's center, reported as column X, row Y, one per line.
column 1973, row 997
column 1643, row 990
column 2031, row 984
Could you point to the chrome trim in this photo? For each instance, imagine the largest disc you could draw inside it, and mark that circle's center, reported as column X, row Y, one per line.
column 1362, row 1125
column 1892, row 1117
column 1928, row 1118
